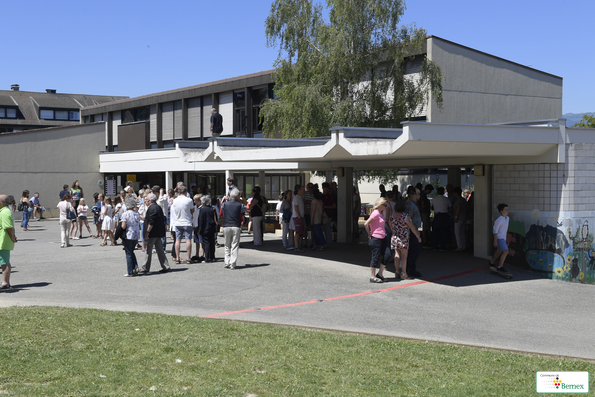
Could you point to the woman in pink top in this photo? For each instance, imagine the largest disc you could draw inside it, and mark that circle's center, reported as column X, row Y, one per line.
column 377, row 239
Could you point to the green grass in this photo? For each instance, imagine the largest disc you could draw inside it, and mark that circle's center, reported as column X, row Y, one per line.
column 77, row 352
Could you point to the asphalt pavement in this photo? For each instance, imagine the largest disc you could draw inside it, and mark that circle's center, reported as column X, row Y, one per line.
column 457, row 299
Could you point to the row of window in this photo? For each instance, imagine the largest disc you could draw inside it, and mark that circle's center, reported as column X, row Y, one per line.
column 8, row 113
column 51, row 114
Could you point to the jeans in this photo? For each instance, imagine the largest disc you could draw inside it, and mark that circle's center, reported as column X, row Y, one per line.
column 319, row 239
column 25, row 222
column 164, row 239
column 131, row 262
column 286, row 242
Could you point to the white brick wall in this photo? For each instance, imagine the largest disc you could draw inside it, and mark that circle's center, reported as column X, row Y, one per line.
column 549, row 187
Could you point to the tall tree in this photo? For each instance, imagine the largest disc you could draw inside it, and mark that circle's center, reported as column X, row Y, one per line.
column 587, row 121
column 343, row 64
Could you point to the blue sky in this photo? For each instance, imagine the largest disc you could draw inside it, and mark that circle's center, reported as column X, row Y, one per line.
column 135, row 48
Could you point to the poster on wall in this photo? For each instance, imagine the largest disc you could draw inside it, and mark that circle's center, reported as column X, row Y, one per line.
column 110, row 187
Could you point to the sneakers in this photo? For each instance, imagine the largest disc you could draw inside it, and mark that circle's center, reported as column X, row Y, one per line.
column 289, row 248
column 75, row 238
column 5, row 286
column 232, row 267
column 375, row 280
column 227, row 266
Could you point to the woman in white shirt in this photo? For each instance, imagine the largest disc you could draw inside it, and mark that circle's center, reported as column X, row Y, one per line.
column 82, row 210
column 108, row 221
column 64, row 206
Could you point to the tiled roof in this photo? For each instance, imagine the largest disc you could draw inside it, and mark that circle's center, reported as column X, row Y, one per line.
column 30, row 102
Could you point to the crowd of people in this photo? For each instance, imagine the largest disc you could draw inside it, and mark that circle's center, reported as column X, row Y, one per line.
column 393, row 227
column 141, row 221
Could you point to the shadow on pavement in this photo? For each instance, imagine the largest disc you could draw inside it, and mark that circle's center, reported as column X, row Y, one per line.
column 17, row 288
column 455, row 269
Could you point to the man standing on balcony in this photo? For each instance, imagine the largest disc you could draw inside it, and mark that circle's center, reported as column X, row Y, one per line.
column 216, row 122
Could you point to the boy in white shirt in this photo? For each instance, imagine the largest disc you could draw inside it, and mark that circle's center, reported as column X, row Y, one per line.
column 500, row 230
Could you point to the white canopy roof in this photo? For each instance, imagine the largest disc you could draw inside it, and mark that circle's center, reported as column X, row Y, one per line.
column 417, row 144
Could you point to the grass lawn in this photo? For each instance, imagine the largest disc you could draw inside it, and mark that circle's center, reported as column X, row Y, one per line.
column 78, row 352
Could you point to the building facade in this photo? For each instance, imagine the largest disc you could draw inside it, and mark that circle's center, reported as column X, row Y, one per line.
column 26, row 110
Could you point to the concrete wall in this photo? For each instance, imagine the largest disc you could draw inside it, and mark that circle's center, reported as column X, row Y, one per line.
column 44, row 160
column 551, row 214
column 482, row 89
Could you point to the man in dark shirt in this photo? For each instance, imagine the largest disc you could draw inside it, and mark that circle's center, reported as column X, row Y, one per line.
column 154, row 230
column 216, row 123
column 232, row 211
column 65, row 190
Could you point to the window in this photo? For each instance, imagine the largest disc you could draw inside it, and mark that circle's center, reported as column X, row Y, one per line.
column 46, row 114
column 138, row 114
column 2, row 112
column 59, row 114
column 259, row 95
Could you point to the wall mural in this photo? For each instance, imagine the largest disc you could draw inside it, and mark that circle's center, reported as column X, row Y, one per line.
column 560, row 249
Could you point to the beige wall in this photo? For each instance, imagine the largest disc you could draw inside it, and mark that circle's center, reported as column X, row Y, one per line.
column 44, row 160
column 483, row 89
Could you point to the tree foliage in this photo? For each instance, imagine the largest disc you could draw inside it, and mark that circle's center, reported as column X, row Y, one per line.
column 343, row 64
column 587, row 121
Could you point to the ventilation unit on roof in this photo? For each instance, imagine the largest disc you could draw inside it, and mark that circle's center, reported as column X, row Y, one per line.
column 50, row 91
column 14, row 87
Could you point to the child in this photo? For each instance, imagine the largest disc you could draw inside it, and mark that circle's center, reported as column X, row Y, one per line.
column 82, row 217
column 500, row 230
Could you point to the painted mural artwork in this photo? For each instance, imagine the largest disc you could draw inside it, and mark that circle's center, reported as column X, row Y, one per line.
column 560, row 249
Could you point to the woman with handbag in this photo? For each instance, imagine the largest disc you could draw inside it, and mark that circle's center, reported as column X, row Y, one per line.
column 131, row 227
column 24, row 208
column 65, row 208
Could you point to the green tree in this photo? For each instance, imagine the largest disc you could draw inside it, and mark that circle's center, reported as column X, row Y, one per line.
column 587, row 121
column 344, row 65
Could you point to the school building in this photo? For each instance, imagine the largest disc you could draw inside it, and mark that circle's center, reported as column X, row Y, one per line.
column 500, row 119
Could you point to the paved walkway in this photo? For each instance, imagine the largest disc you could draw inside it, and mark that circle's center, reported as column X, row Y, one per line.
column 456, row 301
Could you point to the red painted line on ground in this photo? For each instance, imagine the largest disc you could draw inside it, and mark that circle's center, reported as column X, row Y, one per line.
column 345, row 296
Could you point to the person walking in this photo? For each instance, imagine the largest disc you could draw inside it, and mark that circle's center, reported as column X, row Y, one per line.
column 232, row 211
column 154, row 231
column 7, row 240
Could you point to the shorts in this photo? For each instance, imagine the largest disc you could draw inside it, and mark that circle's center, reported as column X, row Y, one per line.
column 502, row 245
column 83, row 218
column 4, row 257
column 299, row 225
column 184, row 232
